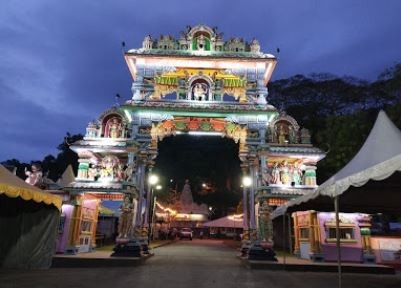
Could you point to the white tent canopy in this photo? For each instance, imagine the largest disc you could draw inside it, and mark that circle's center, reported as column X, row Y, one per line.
column 232, row 221
column 379, row 158
column 67, row 178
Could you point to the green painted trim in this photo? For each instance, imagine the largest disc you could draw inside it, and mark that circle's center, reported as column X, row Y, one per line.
column 200, row 113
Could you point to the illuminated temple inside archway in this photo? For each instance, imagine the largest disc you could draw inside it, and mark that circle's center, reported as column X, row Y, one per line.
column 197, row 84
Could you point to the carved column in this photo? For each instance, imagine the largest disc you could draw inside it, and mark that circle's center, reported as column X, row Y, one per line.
column 141, row 184
column 149, row 195
column 252, row 221
column 253, row 174
column 245, row 206
column 137, row 89
column 310, row 175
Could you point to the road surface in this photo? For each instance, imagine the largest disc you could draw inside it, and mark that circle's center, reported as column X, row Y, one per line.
column 197, row 263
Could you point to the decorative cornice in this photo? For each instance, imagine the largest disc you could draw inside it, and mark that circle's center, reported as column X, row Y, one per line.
column 202, row 54
column 209, row 106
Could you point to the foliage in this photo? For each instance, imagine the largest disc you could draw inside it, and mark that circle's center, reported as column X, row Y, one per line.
column 52, row 167
column 338, row 111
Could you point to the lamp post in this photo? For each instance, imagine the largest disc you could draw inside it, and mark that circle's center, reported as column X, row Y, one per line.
column 246, row 182
column 152, row 220
column 152, row 180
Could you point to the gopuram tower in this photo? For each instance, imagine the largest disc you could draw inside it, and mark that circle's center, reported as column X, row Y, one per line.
column 201, row 84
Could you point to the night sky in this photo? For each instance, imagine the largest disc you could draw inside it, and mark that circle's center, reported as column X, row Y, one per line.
column 61, row 62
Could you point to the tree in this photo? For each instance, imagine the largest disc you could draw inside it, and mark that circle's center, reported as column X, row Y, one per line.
column 52, row 167
column 66, row 156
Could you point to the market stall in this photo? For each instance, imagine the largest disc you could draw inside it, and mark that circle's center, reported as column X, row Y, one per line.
column 28, row 223
column 369, row 183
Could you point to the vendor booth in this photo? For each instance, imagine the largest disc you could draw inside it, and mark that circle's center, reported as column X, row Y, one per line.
column 230, row 226
column 29, row 219
column 369, row 183
column 315, row 235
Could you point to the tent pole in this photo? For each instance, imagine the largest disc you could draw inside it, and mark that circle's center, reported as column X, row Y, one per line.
column 336, row 208
column 284, row 252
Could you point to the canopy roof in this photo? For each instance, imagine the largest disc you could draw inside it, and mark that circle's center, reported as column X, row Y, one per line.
column 232, row 221
column 12, row 187
column 379, row 157
column 67, row 177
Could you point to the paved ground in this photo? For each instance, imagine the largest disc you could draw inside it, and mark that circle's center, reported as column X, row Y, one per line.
column 198, row 263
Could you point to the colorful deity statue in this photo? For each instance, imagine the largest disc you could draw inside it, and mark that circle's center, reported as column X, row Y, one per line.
column 265, row 222
column 199, row 92
column 292, row 135
column 284, row 173
column 266, row 178
column 276, row 174
column 281, row 137
column 35, row 177
column 130, row 172
column 93, row 172
column 305, row 136
column 201, row 43
column 126, row 217
column 109, row 163
column 115, row 128
column 297, row 174
column 119, row 172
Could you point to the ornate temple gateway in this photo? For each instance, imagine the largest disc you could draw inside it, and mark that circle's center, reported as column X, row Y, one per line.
column 196, row 84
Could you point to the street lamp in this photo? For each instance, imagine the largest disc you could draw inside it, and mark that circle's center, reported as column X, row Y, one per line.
column 152, row 180
column 158, row 187
column 246, row 182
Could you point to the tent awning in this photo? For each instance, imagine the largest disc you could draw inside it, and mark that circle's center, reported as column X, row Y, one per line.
column 12, row 187
column 233, row 221
column 378, row 159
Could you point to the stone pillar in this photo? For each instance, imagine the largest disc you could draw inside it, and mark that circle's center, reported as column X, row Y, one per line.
column 252, row 222
column 310, row 176
column 148, row 195
column 83, row 168
column 135, row 214
column 253, row 170
column 263, row 181
column 137, row 89
column 141, row 183
column 245, row 205
column 245, row 208
column 261, row 92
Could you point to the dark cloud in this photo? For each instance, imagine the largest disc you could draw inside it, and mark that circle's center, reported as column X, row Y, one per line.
column 61, row 61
